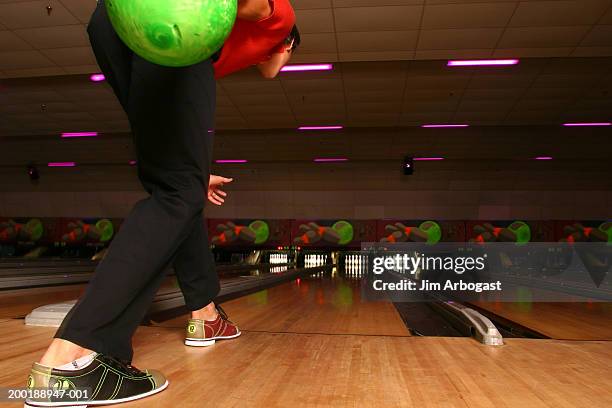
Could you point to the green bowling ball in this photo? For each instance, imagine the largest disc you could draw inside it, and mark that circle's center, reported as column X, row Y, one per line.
column 173, row 33
column 433, row 230
column 522, row 231
column 106, row 228
column 35, row 229
column 262, row 231
column 606, row 228
column 345, row 230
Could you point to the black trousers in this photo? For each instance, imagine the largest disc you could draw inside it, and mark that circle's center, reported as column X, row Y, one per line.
column 171, row 113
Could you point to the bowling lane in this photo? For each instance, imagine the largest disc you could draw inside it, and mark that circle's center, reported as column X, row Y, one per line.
column 327, row 304
column 570, row 321
column 262, row 369
column 18, row 303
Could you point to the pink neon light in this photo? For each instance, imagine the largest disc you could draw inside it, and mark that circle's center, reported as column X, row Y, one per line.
column 428, row 158
column 79, row 134
column 231, row 161
column 330, row 159
column 543, row 158
column 320, row 127
column 97, row 77
column 307, row 67
column 132, row 162
column 61, row 164
column 442, row 125
column 588, row 124
column 477, row 63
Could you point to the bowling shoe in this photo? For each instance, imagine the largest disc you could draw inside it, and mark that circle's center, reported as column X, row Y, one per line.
column 202, row 333
column 103, row 380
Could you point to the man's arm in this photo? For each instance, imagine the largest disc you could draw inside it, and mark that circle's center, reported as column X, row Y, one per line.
column 253, row 10
column 269, row 69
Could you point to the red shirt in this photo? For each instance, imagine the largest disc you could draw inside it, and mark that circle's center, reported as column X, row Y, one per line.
column 252, row 42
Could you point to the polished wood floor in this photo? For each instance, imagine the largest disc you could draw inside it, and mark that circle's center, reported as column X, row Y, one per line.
column 313, row 343
column 19, row 302
column 313, row 305
column 571, row 321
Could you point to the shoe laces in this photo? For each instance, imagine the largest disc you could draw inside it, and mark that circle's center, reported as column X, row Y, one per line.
column 122, row 366
column 223, row 314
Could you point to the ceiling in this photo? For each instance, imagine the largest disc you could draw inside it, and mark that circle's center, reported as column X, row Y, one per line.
column 389, row 67
column 34, row 43
column 539, row 91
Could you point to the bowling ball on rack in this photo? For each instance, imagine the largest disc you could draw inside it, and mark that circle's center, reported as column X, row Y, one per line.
column 173, row 33
column 262, row 231
column 34, row 229
column 106, row 228
column 606, row 228
column 433, row 230
column 345, row 230
column 522, row 231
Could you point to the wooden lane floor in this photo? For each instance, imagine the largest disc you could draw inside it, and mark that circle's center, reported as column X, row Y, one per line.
column 354, row 354
column 318, row 370
column 571, row 321
column 19, row 302
column 312, row 305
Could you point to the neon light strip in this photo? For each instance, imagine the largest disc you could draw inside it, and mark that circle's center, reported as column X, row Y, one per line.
column 543, row 158
column 330, row 159
column 97, row 77
column 61, row 164
column 445, row 126
column 478, row 63
column 428, row 158
column 588, row 124
column 307, row 67
column 320, row 127
column 231, row 161
column 79, row 134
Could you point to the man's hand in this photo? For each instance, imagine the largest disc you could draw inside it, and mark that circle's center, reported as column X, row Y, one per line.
column 215, row 194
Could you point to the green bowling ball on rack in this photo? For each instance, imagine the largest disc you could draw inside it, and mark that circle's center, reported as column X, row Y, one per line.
column 35, row 229
column 345, row 231
column 262, row 231
column 433, row 231
column 606, row 228
column 173, row 33
column 522, row 231
column 106, row 228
